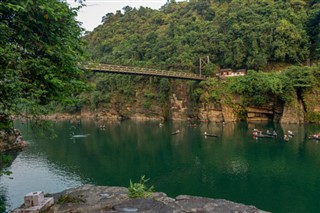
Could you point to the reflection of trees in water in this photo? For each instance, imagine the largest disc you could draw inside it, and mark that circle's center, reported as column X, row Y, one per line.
column 2, row 203
column 5, row 162
column 2, row 195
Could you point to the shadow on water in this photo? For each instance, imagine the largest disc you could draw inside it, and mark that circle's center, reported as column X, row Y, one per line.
column 2, row 199
column 2, row 202
column 269, row 173
column 6, row 160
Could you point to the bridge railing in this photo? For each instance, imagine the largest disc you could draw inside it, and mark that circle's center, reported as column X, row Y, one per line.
column 141, row 71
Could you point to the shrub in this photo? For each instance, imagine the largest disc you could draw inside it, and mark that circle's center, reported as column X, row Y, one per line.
column 140, row 190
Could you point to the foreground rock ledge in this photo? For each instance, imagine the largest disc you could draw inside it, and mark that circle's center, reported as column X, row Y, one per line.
column 99, row 199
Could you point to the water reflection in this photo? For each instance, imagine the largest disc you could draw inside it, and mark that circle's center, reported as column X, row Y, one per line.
column 2, row 199
column 237, row 167
column 232, row 166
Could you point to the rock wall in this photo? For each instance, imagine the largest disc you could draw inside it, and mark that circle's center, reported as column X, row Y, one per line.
column 268, row 112
column 293, row 112
column 229, row 114
column 261, row 113
column 144, row 105
column 311, row 101
column 180, row 107
column 210, row 113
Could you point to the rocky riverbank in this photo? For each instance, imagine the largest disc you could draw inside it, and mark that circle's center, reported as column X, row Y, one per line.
column 94, row 199
column 11, row 141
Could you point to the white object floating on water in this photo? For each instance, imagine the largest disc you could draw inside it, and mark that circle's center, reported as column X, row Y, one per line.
column 81, row 136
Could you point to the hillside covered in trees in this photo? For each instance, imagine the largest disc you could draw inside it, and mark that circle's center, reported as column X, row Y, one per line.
column 238, row 34
column 263, row 36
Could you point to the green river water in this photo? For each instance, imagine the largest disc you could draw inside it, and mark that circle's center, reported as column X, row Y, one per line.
column 268, row 173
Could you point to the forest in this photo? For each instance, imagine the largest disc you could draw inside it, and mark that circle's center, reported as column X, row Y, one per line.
column 275, row 40
column 238, row 34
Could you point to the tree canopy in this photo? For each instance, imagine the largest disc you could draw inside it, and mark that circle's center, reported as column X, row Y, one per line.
column 40, row 46
column 234, row 33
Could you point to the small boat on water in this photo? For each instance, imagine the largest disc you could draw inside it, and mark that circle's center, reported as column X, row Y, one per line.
column 259, row 134
column 176, row 132
column 81, row 136
column 263, row 136
column 314, row 137
column 209, row 135
column 286, row 138
column 290, row 133
column 273, row 133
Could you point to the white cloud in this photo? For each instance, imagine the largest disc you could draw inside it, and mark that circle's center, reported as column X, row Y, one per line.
column 92, row 14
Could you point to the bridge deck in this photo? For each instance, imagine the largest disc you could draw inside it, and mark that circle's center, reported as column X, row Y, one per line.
column 106, row 68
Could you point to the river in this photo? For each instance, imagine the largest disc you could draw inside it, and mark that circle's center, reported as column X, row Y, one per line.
column 270, row 174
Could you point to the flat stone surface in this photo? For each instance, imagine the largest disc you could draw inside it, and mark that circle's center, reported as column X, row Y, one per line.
column 143, row 205
column 103, row 199
column 201, row 204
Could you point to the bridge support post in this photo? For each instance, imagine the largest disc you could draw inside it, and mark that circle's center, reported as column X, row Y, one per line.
column 203, row 62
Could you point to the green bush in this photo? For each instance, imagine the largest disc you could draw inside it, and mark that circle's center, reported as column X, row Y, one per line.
column 313, row 117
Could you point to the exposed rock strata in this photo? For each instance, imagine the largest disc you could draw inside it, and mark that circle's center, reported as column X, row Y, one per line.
column 89, row 198
column 228, row 114
column 311, row 100
column 259, row 114
column 179, row 110
column 179, row 107
column 293, row 112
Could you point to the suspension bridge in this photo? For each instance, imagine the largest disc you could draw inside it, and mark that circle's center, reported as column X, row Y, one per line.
column 116, row 69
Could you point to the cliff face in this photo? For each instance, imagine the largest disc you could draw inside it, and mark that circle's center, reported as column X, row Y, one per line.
column 212, row 113
column 293, row 112
column 311, row 101
column 178, row 105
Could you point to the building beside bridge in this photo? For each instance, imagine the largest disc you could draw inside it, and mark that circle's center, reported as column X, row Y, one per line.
column 228, row 72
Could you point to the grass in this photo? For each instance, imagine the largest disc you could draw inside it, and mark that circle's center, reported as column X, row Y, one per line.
column 139, row 189
column 71, row 199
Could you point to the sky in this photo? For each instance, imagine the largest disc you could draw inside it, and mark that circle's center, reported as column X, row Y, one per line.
column 92, row 14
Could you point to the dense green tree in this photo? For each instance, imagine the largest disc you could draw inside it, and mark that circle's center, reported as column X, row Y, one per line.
column 235, row 33
column 40, row 46
column 258, row 88
column 314, row 28
column 257, row 32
